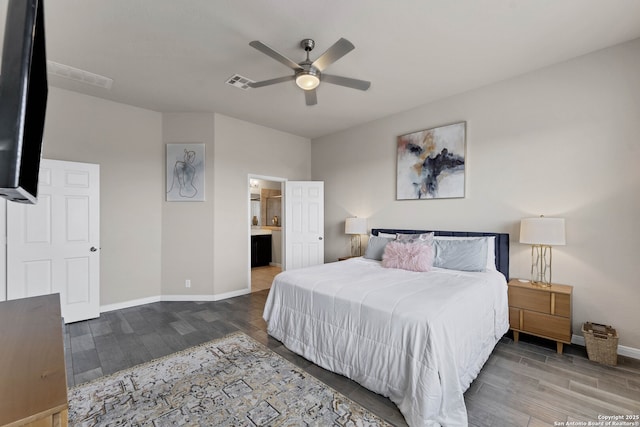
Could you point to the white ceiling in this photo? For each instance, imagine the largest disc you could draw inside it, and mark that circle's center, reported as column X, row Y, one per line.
column 170, row 56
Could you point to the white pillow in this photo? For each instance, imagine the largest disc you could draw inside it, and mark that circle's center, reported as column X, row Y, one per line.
column 491, row 247
column 387, row 235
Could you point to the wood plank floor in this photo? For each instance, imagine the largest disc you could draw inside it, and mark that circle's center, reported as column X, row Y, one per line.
column 523, row 384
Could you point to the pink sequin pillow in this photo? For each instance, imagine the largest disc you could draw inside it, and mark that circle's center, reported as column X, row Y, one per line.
column 408, row 256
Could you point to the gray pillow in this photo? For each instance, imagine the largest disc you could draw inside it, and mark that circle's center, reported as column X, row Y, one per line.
column 464, row 255
column 376, row 246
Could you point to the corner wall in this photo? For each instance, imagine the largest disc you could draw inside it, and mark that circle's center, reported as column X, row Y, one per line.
column 243, row 148
column 149, row 246
column 560, row 141
column 208, row 242
column 125, row 141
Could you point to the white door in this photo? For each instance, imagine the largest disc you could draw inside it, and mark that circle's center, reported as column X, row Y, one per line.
column 304, row 224
column 53, row 246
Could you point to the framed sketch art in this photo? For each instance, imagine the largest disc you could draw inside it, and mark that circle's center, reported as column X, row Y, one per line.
column 431, row 163
column 185, row 172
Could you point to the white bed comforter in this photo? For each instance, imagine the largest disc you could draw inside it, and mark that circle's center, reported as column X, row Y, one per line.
column 418, row 338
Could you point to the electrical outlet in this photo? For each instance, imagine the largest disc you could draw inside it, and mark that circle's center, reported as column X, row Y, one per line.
column 187, row 283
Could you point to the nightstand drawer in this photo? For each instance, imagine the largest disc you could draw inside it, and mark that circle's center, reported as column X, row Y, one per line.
column 514, row 318
column 544, row 311
column 563, row 305
column 530, row 299
column 558, row 328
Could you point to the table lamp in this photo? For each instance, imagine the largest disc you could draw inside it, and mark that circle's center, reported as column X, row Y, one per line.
column 356, row 226
column 542, row 233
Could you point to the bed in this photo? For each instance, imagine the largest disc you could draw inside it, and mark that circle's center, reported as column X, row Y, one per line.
column 418, row 338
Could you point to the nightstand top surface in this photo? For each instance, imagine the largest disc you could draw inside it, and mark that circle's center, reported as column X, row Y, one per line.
column 563, row 289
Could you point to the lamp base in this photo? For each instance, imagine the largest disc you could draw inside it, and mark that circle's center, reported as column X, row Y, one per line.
column 541, row 284
column 541, row 265
column 356, row 245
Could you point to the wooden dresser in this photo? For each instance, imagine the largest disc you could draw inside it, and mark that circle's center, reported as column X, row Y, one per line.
column 33, row 380
column 541, row 311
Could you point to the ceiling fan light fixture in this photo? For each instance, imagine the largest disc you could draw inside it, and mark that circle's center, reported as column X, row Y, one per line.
column 307, row 81
column 307, row 73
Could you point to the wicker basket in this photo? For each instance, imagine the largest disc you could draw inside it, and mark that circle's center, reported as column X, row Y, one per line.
column 601, row 342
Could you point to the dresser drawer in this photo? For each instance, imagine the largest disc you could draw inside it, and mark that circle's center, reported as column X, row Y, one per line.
column 530, row 299
column 545, row 325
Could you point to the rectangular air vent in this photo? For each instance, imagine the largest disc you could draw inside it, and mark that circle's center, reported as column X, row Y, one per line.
column 240, row 82
column 79, row 75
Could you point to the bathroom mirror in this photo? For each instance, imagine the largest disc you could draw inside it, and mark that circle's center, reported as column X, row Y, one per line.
column 274, row 211
column 254, row 218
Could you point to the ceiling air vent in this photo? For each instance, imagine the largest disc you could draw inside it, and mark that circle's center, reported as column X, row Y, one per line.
column 240, row 82
column 78, row 75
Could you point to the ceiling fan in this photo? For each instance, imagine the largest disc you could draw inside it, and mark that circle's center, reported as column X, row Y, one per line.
column 308, row 74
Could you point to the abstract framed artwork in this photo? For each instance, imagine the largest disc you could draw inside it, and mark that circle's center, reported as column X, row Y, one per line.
column 431, row 163
column 185, row 172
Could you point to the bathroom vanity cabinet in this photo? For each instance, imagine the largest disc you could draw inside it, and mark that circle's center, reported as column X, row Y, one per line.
column 260, row 250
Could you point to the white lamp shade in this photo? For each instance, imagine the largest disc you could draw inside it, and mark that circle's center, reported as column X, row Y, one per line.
column 355, row 226
column 542, row 231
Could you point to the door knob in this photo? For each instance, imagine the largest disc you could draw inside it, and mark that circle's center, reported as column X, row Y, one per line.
column 320, row 238
column 93, row 249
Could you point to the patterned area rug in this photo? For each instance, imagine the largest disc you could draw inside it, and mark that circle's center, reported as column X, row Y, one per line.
column 233, row 381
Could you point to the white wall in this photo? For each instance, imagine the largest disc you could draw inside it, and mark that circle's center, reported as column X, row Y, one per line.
column 187, row 227
column 208, row 242
column 150, row 246
column 126, row 142
column 241, row 149
column 3, row 249
column 561, row 141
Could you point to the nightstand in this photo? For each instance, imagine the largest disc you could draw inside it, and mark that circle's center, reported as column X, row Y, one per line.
column 541, row 311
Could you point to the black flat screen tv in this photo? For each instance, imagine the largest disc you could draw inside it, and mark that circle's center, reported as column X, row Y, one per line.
column 23, row 99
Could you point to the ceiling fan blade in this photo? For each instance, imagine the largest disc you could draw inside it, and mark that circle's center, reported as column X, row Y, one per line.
column 275, row 55
column 310, row 97
column 335, row 52
column 271, row 81
column 345, row 81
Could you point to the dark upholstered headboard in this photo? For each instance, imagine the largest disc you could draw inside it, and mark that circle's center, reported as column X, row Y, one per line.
column 502, row 242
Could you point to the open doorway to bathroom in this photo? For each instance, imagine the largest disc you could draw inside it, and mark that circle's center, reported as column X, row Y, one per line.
column 265, row 219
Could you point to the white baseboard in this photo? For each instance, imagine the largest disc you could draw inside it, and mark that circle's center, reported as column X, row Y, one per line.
column 275, row 264
column 128, row 304
column 158, row 298
column 231, row 294
column 623, row 350
column 187, row 298
column 217, row 297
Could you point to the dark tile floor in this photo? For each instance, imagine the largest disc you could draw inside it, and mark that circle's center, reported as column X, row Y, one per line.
column 523, row 384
